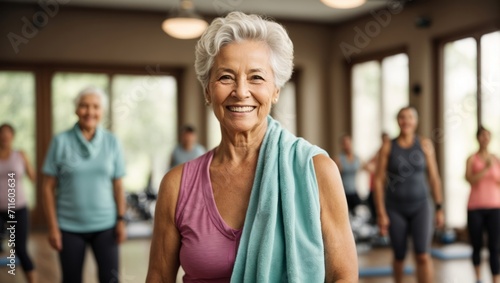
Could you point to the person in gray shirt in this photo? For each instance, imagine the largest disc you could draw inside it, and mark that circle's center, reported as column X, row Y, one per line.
column 188, row 148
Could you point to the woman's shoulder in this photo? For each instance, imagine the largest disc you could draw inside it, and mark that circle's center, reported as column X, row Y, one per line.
column 62, row 137
column 426, row 144
column 324, row 165
column 109, row 137
column 170, row 186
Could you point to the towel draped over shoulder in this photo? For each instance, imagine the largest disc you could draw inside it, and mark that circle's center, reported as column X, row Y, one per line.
column 282, row 239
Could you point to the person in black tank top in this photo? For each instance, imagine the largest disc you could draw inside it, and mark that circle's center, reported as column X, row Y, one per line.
column 406, row 167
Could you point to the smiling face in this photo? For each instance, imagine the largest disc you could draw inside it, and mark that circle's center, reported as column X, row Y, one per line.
column 484, row 138
column 89, row 111
column 241, row 87
column 6, row 137
column 347, row 144
column 407, row 121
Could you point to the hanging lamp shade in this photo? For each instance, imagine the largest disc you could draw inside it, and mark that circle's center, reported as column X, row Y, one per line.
column 185, row 24
column 343, row 4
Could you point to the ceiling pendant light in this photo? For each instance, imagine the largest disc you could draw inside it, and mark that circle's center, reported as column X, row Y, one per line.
column 343, row 4
column 185, row 24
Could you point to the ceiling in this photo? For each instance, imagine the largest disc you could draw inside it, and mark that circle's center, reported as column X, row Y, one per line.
column 300, row 10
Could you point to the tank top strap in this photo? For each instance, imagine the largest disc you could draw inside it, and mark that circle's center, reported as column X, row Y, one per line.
column 195, row 175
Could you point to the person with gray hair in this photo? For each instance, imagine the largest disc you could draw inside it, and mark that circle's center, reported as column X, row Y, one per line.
column 83, row 194
column 264, row 205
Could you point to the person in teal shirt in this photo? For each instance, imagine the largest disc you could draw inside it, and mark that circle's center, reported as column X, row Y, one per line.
column 83, row 193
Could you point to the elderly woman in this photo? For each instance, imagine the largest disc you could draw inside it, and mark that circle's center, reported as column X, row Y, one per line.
column 406, row 165
column 263, row 206
column 83, row 194
column 14, row 165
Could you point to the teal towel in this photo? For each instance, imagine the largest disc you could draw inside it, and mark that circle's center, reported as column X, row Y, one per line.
column 282, row 239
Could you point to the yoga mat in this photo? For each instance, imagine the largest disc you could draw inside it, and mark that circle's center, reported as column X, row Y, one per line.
column 382, row 271
column 453, row 251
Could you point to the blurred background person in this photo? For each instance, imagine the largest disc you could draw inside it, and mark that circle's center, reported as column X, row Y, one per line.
column 349, row 165
column 82, row 192
column 371, row 168
column 15, row 161
column 188, row 148
column 483, row 208
column 406, row 166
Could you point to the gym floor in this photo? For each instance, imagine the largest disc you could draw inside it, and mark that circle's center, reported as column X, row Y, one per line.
column 135, row 253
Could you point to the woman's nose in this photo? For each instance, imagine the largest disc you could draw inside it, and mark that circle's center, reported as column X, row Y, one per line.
column 241, row 90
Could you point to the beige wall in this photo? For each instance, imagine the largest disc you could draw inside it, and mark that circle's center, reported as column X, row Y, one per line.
column 78, row 36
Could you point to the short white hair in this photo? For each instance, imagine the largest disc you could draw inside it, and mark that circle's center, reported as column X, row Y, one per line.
column 236, row 27
column 92, row 90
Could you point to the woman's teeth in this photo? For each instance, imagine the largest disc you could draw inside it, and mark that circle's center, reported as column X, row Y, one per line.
column 240, row 109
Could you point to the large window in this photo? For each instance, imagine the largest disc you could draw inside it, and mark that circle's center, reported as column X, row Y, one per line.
column 379, row 89
column 145, row 120
column 142, row 113
column 17, row 107
column 470, row 97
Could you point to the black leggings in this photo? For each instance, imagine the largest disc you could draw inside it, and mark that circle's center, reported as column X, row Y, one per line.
column 479, row 220
column 105, row 250
column 353, row 201
column 21, row 236
column 410, row 218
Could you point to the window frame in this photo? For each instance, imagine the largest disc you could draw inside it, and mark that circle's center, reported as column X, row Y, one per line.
column 378, row 56
column 44, row 72
column 439, row 44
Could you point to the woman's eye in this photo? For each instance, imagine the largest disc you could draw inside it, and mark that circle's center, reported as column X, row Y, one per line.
column 225, row 79
column 257, row 78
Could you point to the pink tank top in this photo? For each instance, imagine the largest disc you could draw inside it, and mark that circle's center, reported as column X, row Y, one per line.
column 208, row 244
column 486, row 192
column 14, row 163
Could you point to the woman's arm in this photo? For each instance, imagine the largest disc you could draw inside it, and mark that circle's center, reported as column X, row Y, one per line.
column 29, row 169
column 341, row 261
column 472, row 177
column 119, row 195
column 434, row 179
column 165, row 245
column 49, row 205
column 371, row 165
column 378, row 190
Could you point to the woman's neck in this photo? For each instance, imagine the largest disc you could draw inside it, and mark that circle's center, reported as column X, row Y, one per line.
column 88, row 133
column 406, row 139
column 483, row 151
column 349, row 154
column 5, row 151
column 238, row 148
